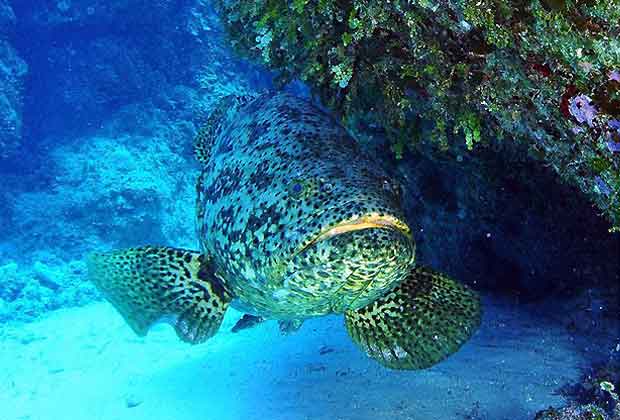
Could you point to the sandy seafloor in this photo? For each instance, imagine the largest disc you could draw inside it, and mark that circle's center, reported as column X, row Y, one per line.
column 85, row 363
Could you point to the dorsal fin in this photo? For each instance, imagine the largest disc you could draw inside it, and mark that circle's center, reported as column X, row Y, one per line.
column 222, row 110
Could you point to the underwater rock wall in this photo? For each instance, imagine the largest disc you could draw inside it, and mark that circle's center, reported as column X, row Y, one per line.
column 13, row 70
column 544, row 73
column 114, row 94
column 113, row 98
column 120, row 187
column 89, row 58
column 523, row 241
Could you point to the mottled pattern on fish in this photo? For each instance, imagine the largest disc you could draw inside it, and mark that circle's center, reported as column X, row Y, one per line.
column 294, row 221
column 279, row 172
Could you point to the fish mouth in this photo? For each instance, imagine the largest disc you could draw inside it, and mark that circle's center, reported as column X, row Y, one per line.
column 371, row 221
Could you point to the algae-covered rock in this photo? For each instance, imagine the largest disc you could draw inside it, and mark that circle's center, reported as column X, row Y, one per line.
column 586, row 412
column 541, row 73
column 598, row 387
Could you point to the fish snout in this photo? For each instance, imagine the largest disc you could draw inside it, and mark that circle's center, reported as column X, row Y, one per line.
column 361, row 261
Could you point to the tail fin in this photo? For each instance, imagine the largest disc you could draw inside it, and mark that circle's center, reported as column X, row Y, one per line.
column 152, row 283
column 419, row 323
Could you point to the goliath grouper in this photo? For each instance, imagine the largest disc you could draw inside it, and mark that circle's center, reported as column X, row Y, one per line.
column 294, row 221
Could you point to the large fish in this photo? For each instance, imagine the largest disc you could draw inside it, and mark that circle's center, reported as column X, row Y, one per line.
column 294, row 221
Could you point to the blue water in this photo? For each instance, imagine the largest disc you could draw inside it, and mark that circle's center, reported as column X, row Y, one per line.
column 99, row 104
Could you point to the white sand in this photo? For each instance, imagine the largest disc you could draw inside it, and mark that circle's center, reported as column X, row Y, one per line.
column 85, row 363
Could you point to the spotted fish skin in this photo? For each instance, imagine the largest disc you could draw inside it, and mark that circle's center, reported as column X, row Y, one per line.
column 278, row 173
column 294, row 221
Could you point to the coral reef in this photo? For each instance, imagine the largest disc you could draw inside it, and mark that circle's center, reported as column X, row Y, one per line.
column 115, row 93
column 118, row 188
column 586, row 412
column 12, row 73
column 544, row 74
column 114, row 189
column 598, row 387
column 28, row 292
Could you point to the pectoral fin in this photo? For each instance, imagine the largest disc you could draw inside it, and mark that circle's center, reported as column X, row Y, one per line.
column 149, row 284
column 417, row 324
column 247, row 321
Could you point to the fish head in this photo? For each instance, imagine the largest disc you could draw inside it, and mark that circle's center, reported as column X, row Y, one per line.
column 348, row 237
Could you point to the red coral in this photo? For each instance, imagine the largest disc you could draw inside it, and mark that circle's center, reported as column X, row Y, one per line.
column 570, row 91
column 543, row 69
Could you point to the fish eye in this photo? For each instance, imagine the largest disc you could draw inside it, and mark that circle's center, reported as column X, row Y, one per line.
column 296, row 187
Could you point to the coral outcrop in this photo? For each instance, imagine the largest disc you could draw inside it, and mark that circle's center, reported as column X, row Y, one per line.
column 596, row 393
column 586, row 412
column 117, row 188
column 544, row 73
